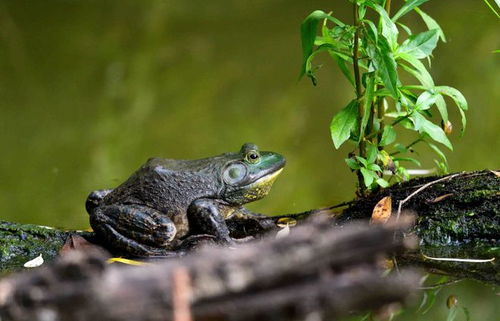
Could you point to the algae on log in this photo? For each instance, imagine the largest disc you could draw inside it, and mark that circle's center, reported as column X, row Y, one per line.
column 462, row 209
column 20, row 243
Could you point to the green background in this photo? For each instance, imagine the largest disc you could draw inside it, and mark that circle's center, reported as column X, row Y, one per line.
column 90, row 89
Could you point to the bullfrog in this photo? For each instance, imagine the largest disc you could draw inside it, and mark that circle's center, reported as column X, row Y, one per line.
column 167, row 200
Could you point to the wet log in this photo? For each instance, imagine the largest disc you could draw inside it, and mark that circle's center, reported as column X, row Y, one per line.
column 316, row 271
column 453, row 211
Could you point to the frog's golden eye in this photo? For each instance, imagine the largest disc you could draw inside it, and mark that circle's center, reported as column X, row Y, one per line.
column 252, row 157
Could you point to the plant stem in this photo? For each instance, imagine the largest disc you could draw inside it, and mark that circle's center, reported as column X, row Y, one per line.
column 380, row 101
column 381, row 115
column 357, row 81
column 418, row 140
column 379, row 132
column 387, row 6
column 355, row 53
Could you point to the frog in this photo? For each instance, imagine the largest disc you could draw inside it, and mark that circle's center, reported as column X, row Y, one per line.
column 166, row 201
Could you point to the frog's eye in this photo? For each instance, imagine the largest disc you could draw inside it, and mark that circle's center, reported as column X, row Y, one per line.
column 252, row 157
column 234, row 173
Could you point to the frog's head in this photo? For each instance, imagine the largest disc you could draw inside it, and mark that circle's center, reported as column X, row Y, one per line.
column 249, row 175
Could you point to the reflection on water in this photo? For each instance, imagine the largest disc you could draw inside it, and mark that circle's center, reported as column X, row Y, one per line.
column 90, row 90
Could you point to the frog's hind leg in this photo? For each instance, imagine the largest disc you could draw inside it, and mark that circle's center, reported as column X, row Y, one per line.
column 95, row 198
column 134, row 230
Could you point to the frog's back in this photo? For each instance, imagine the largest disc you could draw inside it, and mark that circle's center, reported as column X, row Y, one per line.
column 168, row 185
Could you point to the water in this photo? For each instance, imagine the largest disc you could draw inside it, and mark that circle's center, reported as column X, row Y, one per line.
column 91, row 89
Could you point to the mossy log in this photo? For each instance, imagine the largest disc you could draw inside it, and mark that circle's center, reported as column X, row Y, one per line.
column 451, row 212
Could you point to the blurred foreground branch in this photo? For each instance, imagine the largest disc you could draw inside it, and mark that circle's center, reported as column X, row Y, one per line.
column 315, row 271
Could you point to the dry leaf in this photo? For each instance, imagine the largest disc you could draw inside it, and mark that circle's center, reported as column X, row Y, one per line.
column 382, row 211
column 440, row 198
column 451, row 302
column 126, row 261
column 77, row 242
column 497, row 173
column 37, row 261
column 283, row 232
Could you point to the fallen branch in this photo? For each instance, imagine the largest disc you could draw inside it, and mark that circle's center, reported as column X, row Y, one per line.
column 452, row 211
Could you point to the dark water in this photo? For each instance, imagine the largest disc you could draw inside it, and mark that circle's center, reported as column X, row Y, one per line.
column 90, row 89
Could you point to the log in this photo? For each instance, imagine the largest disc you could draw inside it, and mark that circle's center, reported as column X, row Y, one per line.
column 456, row 211
column 316, row 271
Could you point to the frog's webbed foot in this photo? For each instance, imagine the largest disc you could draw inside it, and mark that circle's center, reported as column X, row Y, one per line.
column 134, row 230
column 244, row 224
column 95, row 198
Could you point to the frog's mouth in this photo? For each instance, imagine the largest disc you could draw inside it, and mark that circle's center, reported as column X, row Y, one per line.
column 267, row 179
column 260, row 187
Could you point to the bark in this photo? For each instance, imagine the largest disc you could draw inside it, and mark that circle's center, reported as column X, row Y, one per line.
column 317, row 271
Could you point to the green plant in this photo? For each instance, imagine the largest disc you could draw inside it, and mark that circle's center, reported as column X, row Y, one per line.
column 382, row 103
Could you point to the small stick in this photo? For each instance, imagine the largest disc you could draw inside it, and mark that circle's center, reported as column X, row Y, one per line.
column 451, row 259
column 437, row 285
column 421, row 189
column 181, row 293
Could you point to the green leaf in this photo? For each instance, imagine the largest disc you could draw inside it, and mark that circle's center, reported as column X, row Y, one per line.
column 389, row 29
column 418, row 71
column 362, row 160
column 308, row 31
column 407, row 7
column 431, row 23
column 371, row 31
column 437, row 151
column 441, row 106
column 434, row 131
column 367, row 102
column 492, row 8
column 425, row 100
column 343, row 123
column 382, row 182
column 388, row 136
column 407, row 159
column 371, row 152
column 455, row 95
column 384, row 63
column 420, row 45
column 406, row 28
column 464, row 121
column 368, row 176
column 430, row 297
column 374, row 167
column 352, row 163
column 452, row 314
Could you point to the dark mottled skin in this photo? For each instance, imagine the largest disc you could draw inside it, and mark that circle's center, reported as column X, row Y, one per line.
column 167, row 200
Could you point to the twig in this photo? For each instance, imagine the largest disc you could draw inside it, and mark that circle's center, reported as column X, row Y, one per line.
column 314, row 211
column 421, row 189
column 438, row 285
column 453, row 259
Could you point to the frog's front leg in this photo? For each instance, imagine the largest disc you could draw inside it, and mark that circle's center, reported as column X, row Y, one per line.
column 133, row 229
column 206, row 216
